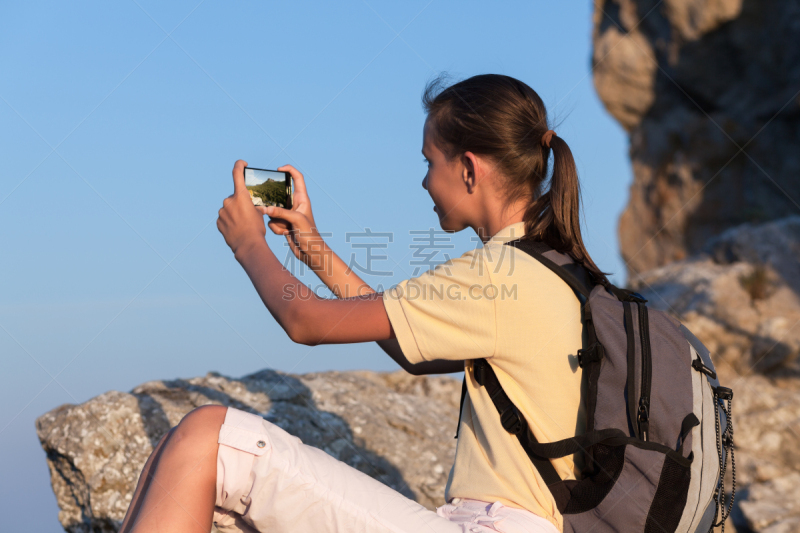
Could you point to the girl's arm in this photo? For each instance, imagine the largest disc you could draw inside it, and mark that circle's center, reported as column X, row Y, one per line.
column 298, row 226
column 307, row 318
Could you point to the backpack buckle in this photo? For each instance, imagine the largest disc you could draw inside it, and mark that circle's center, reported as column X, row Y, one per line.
column 511, row 420
column 591, row 354
column 724, row 393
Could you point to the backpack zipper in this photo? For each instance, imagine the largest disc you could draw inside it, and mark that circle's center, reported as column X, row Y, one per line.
column 630, row 381
column 643, row 416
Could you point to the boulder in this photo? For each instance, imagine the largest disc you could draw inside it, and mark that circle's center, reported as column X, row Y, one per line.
column 774, row 506
column 395, row 427
column 739, row 296
column 708, row 91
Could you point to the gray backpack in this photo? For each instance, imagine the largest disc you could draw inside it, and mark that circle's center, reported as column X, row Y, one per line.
column 658, row 427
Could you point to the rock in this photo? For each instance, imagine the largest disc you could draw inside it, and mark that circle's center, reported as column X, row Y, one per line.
column 740, row 296
column 776, row 244
column 708, row 91
column 766, row 422
column 716, row 303
column 774, row 506
column 766, row 414
column 395, row 427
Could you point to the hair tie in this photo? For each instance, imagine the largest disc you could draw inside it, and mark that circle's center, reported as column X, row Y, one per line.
column 546, row 137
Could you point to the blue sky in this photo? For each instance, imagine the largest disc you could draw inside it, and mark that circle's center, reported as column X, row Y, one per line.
column 121, row 122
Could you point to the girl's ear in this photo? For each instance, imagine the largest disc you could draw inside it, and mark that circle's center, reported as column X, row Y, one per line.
column 469, row 171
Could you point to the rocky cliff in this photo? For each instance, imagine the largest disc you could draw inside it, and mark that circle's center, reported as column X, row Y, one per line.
column 740, row 296
column 708, row 90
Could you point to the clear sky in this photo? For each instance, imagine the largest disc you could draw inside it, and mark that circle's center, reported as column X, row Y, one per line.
column 121, row 122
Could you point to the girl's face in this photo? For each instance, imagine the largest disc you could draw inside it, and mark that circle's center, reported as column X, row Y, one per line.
column 445, row 182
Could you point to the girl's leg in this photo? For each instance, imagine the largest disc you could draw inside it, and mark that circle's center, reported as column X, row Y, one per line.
column 273, row 482
column 144, row 482
column 181, row 493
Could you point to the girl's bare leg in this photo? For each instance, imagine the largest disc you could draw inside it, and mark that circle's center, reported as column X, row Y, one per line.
column 181, row 492
column 144, row 482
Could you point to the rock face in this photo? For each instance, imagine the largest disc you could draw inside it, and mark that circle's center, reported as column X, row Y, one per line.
column 395, row 427
column 740, row 297
column 708, row 90
column 777, row 505
column 766, row 415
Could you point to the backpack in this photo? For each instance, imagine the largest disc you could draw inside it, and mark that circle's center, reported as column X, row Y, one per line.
column 658, row 430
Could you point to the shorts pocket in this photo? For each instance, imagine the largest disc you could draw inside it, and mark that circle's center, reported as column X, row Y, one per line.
column 244, row 432
column 243, row 440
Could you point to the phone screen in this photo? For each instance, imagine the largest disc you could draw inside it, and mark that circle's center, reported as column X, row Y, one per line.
column 269, row 187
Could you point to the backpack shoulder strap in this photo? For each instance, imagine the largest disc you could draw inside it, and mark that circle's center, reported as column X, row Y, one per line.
column 562, row 265
column 573, row 274
column 512, row 419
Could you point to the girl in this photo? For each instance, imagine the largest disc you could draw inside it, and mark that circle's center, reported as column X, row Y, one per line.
column 487, row 146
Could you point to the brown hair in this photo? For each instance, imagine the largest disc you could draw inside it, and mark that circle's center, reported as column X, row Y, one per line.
column 503, row 118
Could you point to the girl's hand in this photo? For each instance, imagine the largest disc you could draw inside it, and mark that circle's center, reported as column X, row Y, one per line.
column 297, row 224
column 239, row 221
column 300, row 202
column 303, row 238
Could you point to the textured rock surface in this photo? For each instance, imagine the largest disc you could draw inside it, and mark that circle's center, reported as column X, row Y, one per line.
column 695, row 81
column 740, row 297
column 766, row 414
column 774, row 506
column 395, row 427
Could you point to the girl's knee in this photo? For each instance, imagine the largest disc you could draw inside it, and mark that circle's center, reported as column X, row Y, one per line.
column 199, row 428
column 205, row 414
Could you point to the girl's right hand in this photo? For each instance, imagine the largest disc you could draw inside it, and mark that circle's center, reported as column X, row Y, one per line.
column 297, row 224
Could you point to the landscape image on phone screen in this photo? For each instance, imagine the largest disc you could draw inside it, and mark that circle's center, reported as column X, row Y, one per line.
column 266, row 187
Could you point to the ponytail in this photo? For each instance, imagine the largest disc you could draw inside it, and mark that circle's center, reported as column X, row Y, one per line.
column 503, row 118
column 554, row 217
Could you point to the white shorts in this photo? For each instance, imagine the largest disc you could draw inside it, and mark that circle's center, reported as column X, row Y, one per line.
column 269, row 481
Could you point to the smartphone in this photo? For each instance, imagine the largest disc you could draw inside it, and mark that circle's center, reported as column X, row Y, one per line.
column 269, row 187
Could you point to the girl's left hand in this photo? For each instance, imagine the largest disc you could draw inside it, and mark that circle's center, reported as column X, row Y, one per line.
column 239, row 221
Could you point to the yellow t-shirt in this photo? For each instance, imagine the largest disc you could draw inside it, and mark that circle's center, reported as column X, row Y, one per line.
column 499, row 303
